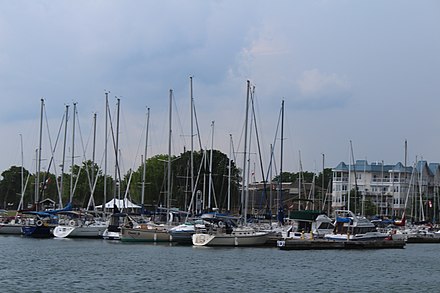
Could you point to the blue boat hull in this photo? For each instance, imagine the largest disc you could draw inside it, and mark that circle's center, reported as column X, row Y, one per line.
column 37, row 231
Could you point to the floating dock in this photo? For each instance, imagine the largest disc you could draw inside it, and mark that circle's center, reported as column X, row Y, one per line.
column 421, row 239
column 316, row 244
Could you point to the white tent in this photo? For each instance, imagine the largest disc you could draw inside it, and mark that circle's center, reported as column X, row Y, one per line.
column 120, row 204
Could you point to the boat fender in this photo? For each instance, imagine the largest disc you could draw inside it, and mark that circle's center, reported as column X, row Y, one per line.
column 221, row 224
column 39, row 223
column 72, row 223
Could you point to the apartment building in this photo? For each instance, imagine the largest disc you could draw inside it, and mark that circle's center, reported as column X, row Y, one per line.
column 389, row 189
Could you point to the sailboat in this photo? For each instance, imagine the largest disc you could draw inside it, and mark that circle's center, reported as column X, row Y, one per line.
column 228, row 231
column 75, row 224
column 39, row 223
column 132, row 231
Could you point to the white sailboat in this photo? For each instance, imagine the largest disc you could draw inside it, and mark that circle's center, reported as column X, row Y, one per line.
column 131, row 231
column 73, row 224
column 226, row 231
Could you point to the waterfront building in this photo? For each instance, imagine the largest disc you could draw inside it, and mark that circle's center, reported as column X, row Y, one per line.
column 386, row 188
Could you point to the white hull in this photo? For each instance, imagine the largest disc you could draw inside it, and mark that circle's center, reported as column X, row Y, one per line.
column 108, row 235
column 357, row 237
column 91, row 231
column 233, row 239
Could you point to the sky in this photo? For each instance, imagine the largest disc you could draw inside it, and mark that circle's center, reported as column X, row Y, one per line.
column 361, row 71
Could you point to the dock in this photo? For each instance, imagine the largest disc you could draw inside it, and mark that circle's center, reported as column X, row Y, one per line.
column 317, row 244
column 422, row 239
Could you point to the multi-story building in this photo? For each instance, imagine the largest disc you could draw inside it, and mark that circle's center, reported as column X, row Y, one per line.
column 389, row 189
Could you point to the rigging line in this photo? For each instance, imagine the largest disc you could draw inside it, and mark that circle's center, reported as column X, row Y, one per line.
column 179, row 122
column 272, row 161
column 263, row 197
column 131, row 170
column 114, row 145
column 84, row 149
column 197, row 126
column 52, row 149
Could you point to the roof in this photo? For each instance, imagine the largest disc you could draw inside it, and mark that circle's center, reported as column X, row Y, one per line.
column 120, row 204
column 375, row 167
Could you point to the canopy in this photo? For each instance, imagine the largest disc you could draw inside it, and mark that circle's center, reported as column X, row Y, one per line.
column 120, row 204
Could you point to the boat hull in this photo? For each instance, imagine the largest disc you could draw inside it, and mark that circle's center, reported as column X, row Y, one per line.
column 63, row 231
column 254, row 239
column 11, row 229
column 145, row 235
column 38, row 231
column 370, row 236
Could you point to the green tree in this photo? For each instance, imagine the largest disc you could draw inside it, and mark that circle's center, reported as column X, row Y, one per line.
column 156, row 179
column 10, row 187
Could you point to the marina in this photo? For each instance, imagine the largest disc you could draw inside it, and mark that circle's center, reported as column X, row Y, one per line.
column 94, row 265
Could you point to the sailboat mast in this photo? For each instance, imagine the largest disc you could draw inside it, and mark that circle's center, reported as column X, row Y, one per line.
column 105, row 152
column 73, row 153
column 94, row 148
column 243, row 187
column 117, row 183
column 349, row 179
column 229, row 172
column 280, row 179
column 64, row 151
column 270, row 182
column 169, row 158
column 192, row 135
column 323, row 182
column 210, row 167
column 22, row 173
column 37, row 187
column 145, row 160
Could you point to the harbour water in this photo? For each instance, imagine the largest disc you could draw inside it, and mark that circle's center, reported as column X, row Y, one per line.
column 68, row 265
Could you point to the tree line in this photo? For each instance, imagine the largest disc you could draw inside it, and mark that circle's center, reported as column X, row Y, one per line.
column 82, row 183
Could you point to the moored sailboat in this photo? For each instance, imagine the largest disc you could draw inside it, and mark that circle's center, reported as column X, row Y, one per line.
column 224, row 231
column 78, row 225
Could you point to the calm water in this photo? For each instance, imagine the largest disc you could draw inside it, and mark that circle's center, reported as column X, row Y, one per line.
column 66, row 265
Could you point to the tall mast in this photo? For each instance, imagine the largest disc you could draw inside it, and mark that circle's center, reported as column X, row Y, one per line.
column 270, row 182
column 145, row 160
column 229, row 172
column 22, row 173
column 349, row 179
column 117, row 183
column 243, row 187
column 37, row 187
column 192, row 135
column 105, row 152
column 210, row 166
column 323, row 182
column 64, row 151
column 169, row 158
column 94, row 148
column 73, row 153
column 36, row 179
column 280, row 180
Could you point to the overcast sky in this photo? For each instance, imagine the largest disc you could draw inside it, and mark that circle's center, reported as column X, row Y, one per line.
column 365, row 71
